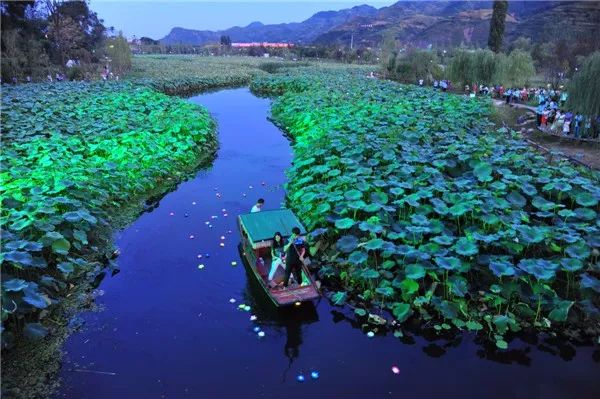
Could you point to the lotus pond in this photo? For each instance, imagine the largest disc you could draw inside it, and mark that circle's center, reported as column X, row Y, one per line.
column 76, row 159
column 422, row 208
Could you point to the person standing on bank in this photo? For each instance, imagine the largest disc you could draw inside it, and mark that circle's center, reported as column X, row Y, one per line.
column 295, row 250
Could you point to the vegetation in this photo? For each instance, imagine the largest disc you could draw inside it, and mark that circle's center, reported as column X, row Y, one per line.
column 585, row 86
column 496, row 37
column 187, row 74
column 40, row 37
column 484, row 66
column 423, row 209
column 74, row 157
column 414, row 65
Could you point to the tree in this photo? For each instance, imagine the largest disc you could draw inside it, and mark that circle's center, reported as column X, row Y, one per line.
column 515, row 70
column 119, row 52
column 225, row 41
column 585, row 86
column 497, row 25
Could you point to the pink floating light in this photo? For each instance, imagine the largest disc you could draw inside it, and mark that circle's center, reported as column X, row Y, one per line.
column 171, row 213
column 191, row 237
column 395, row 370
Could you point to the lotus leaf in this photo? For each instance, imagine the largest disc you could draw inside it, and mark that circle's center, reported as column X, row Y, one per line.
column 401, row 311
column 465, row 247
column 347, row 243
column 344, row 224
column 358, row 257
column 414, row 271
column 373, row 244
column 339, row 298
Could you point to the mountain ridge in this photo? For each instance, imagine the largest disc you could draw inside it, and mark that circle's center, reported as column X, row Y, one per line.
column 419, row 23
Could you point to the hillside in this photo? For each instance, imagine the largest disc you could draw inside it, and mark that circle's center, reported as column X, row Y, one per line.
column 420, row 23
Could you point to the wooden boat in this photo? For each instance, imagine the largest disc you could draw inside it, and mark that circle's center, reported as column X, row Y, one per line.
column 257, row 230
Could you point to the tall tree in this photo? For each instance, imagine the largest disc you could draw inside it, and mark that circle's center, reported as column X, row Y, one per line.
column 497, row 25
column 585, row 86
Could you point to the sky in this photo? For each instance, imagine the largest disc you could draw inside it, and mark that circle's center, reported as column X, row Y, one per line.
column 154, row 18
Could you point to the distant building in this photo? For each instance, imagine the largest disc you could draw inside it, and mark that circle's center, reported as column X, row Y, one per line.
column 262, row 44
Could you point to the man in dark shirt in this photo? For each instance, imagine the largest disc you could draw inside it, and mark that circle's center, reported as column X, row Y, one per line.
column 295, row 250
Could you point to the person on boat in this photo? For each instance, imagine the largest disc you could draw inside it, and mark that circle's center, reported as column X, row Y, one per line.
column 258, row 206
column 294, row 250
column 277, row 254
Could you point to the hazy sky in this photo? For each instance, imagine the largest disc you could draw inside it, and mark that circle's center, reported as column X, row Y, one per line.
column 155, row 18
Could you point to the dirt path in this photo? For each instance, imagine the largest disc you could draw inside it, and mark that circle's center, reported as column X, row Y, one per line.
column 578, row 151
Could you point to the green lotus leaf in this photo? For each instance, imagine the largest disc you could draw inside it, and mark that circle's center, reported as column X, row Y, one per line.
column 61, row 246
column 353, row 195
column 72, row 217
column 33, row 297
column 532, row 235
column 448, row 262
column 371, row 227
column 401, row 311
column 373, row 244
column 66, row 267
column 465, row 247
column 323, row 207
column 358, row 257
column 35, row 331
column 360, row 312
column 347, row 243
column 474, row 325
column 409, row 287
column 483, row 171
column 369, row 274
column 539, row 268
column 339, row 298
column 397, row 191
column 543, row 204
column 585, row 198
column 385, row 291
column 459, row 209
column 516, row 199
column 579, row 250
column 571, row 264
column 414, row 271
column 585, row 214
column 344, row 224
column 502, row 267
column 379, row 198
column 560, row 312
column 566, row 213
column 14, row 284
column 19, row 257
column 590, row 282
column 443, row 240
column 458, row 285
column 529, row 189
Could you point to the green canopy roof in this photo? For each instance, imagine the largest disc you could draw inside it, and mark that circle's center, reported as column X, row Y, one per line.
column 263, row 225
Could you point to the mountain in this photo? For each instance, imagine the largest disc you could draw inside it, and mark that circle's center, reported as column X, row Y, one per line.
column 420, row 23
column 296, row 32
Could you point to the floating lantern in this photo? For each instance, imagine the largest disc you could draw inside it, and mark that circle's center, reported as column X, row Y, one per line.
column 300, row 378
column 395, row 370
column 314, row 375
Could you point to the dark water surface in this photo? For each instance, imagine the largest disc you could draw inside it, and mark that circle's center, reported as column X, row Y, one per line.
column 169, row 329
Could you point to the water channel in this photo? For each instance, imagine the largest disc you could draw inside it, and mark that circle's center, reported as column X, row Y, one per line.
column 169, row 330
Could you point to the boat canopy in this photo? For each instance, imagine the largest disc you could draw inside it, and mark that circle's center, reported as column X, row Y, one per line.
column 261, row 226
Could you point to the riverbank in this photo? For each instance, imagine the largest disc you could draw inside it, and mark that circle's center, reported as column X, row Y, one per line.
column 70, row 180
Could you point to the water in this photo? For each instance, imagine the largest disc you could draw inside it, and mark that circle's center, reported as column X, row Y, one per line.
column 169, row 330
